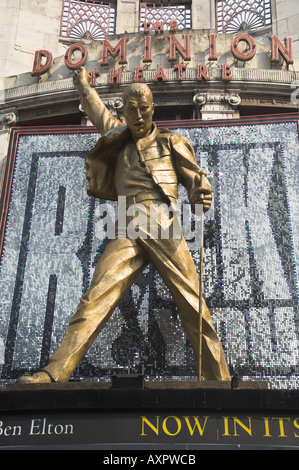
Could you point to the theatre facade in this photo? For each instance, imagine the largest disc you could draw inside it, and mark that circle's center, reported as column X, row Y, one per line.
column 224, row 74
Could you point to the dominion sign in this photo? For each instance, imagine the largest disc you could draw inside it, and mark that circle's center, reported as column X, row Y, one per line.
column 161, row 51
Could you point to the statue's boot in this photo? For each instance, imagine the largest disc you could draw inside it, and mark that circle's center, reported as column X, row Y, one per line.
column 41, row 377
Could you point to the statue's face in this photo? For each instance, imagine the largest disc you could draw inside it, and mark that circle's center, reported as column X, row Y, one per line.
column 138, row 112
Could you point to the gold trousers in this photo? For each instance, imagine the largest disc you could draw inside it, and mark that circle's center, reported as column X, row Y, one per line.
column 122, row 261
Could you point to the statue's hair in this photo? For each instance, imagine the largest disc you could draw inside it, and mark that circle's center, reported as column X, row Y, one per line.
column 137, row 89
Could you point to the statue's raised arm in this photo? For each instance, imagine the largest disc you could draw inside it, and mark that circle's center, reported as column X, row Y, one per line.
column 92, row 104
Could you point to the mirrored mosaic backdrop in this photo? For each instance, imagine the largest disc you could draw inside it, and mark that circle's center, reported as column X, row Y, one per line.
column 53, row 234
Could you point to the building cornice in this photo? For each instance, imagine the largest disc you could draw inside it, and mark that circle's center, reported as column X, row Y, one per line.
column 245, row 76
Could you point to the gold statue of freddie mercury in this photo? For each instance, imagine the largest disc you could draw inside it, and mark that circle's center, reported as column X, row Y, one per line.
column 144, row 164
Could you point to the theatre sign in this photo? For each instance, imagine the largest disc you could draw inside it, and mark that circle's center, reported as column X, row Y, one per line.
column 168, row 56
column 156, row 428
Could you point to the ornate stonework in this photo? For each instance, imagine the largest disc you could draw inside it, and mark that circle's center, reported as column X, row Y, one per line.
column 8, row 117
column 217, row 105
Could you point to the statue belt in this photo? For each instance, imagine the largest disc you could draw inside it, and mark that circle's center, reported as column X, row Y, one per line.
column 142, row 197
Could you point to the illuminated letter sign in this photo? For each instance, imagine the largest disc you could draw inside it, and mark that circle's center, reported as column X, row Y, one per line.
column 147, row 49
column 68, row 56
column 94, row 74
column 138, row 74
column 286, row 51
column 202, row 72
column 38, row 67
column 160, row 75
column 226, row 72
column 175, row 45
column 120, row 47
column 248, row 55
column 180, row 68
column 115, row 76
column 212, row 46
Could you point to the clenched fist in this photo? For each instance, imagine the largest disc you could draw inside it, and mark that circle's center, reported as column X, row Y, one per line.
column 81, row 78
column 202, row 192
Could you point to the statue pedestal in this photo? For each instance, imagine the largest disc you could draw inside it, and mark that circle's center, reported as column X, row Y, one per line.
column 137, row 382
column 178, row 416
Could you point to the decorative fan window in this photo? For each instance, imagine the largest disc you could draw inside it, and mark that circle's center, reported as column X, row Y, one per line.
column 164, row 15
column 87, row 19
column 236, row 16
